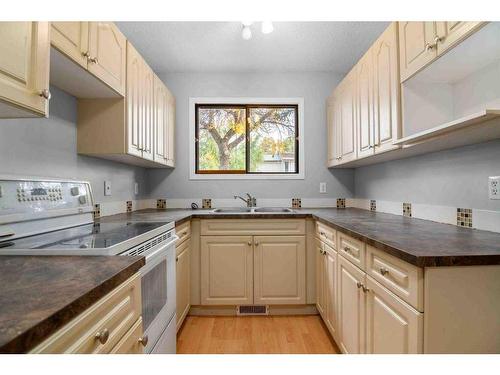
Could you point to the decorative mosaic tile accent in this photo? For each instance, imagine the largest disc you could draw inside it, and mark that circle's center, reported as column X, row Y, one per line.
column 340, row 202
column 296, row 202
column 464, row 217
column 161, row 204
column 129, row 206
column 206, row 203
column 407, row 209
column 373, row 205
column 97, row 211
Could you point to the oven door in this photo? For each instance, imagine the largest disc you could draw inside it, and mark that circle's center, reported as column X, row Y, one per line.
column 158, row 291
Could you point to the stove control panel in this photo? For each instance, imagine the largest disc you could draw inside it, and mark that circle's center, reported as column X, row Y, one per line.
column 27, row 197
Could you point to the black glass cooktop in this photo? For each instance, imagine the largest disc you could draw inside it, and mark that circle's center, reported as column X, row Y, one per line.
column 89, row 236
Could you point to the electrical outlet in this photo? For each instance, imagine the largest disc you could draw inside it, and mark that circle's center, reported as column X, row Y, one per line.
column 322, row 187
column 136, row 188
column 107, row 187
column 494, row 187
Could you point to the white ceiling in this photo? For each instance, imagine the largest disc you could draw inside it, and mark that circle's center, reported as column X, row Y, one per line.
column 219, row 47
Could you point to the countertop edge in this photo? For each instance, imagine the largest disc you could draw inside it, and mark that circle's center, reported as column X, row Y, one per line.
column 36, row 334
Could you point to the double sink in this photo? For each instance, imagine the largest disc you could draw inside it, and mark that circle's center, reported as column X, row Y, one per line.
column 251, row 210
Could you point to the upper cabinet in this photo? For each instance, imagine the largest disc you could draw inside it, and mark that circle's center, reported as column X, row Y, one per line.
column 24, row 69
column 97, row 47
column 108, row 54
column 164, row 124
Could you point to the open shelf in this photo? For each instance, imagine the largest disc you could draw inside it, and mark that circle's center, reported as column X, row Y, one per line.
column 460, row 123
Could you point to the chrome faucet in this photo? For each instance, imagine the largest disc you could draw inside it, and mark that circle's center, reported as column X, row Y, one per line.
column 251, row 201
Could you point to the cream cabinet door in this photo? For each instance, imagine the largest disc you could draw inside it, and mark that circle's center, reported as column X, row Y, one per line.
column 130, row 343
column 183, row 292
column 364, row 93
column 352, row 308
column 330, row 287
column 170, row 132
column 392, row 326
column 161, row 120
column 135, row 98
column 226, row 270
column 450, row 33
column 24, row 69
column 108, row 54
column 320, row 279
column 279, row 270
column 416, row 46
column 72, row 39
column 387, row 105
column 149, row 115
column 347, row 99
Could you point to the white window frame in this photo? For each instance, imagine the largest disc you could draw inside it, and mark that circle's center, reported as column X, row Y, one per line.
column 237, row 100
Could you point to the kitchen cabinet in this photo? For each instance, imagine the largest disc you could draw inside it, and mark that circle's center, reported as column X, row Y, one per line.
column 111, row 324
column 226, row 270
column 279, row 270
column 183, row 277
column 351, row 307
column 320, row 279
column 416, row 46
column 392, row 326
column 347, row 100
column 164, row 124
column 108, row 54
column 364, row 112
column 72, row 39
column 449, row 33
column 97, row 47
column 126, row 129
column 24, row 69
column 330, row 288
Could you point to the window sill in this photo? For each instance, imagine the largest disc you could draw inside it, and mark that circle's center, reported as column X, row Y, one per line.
column 194, row 176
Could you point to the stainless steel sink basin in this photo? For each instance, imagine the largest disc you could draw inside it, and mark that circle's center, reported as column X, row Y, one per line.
column 272, row 209
column 231, row 210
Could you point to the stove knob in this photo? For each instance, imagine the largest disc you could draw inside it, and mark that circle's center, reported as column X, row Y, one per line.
column 75, row 191
column 82, row 199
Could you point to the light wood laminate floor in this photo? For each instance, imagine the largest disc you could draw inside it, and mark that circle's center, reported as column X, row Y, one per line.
column 255, row 335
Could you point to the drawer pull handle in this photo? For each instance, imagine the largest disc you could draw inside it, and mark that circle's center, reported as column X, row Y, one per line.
column 384, row 271
column 184, row 233
column 144, row 340
column 102, row 336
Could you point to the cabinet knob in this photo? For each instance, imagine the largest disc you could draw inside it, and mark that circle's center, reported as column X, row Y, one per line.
column 321, row 233
column 86, row 54
column 144, row 340
column 429, row 47
column 365, row 289
column 347, row 249
column 256, row 244
column 249, row 243
column 176, row 259
column 93, row 60
column 102, row 336
column 384, row 271
column 438, row 39
column 45, row 94
column 359, row 284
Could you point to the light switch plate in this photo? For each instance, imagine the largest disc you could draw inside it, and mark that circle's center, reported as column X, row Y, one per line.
column 107, row 187
column 136, row 188
column 494, row 187
column 322, row 187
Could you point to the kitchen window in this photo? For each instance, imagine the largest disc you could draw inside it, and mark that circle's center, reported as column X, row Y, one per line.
column 242, row 140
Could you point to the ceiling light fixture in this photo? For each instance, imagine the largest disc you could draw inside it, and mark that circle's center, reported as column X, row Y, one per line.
column 246, row 33
column 267, row 27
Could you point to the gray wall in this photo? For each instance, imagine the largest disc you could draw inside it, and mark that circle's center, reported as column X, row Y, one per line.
column 313, row 87
column 47, row 148
column 457, row 178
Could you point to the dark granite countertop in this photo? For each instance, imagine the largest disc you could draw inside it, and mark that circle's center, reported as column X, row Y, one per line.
column 420, row 242
column 40, row 294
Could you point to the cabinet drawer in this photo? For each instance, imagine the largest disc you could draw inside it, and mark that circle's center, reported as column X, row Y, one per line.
column 403, row 279
column 181, row 247
column 183, row 231
column 116, row 313
column 352, row 249
column 326, row 234
column 257, row 227
column 130, row 343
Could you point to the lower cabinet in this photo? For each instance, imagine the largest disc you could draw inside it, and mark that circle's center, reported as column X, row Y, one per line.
column 326, row 285
column 226, row 270
column 352, row 308
column 320, row 279
column 183, row 275
column 279, row 270
column 392, row 326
